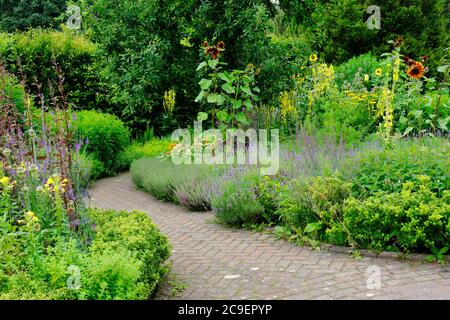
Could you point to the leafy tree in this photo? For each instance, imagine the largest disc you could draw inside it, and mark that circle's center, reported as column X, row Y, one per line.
column 342, row 31
column 23, row 14
column 153, row 46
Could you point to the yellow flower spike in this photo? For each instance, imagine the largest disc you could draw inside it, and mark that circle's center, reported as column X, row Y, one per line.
column 395, row 76
column 366, row 77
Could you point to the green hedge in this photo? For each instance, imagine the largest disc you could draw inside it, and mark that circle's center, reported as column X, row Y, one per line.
column 38, row 50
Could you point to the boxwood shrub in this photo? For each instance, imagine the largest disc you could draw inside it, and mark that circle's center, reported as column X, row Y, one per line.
column 126, row 260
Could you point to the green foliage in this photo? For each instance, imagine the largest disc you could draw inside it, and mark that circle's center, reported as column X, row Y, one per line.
column 347, row 72
column 133, row 232
column 135, row 151
column 386, row 169
column 423, row 114
column 315, row 200
column 107, row 137
column 125, row 261
column 22, row 14
column 414, row 219
column 237, row 202
column 39, row 51
column 162, row 179
column 342, row 30
column 160, row 52
column 232, row 94
column 15, row 91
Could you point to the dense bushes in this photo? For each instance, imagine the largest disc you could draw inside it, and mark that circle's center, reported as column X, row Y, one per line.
column 376, row 197
column 22, row 14
column 412, row 220
column 344, row 33
column 105, row 136
column 124, row 261
column 378, row 168
column 135, row 151
column 34, row 54
column 52, row 246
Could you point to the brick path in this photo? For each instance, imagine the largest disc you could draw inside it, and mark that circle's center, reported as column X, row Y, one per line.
column 221, row 263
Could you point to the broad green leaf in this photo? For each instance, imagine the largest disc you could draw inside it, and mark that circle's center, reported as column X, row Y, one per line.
column 220, row 99
column 200, row 96
column 403, row 120
column 407, row 131
column 225, row 76
column 311, row 227
column 241, row 117
column 228, row 88
column 222, row 115
column 213, row 63
column 216, row 98
column 202, row 116
column 201, row 66
column 246, row 90
column 256, row 89
column 236, row 103
column 442, row 68
column 417, row 114
column 205, row 84
column 248, row 104
column 443, row 123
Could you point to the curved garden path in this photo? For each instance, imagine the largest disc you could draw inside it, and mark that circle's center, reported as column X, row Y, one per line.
column 221, row 263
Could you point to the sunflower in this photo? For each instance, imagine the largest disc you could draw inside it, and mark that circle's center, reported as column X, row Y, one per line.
column 221, row 45
column 215, row 53
column 416, row 70
column 378, row 72
column 313, row 58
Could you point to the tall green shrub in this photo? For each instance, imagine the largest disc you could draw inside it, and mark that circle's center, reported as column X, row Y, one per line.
column 105, row 137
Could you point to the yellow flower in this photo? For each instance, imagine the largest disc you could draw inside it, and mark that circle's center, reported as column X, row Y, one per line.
column 50, row 181
column 169, row 101
column 4, row 181
column 313, row 58
column 378, row 72
column 395, row 76
column 366, row 77
column 65, row 181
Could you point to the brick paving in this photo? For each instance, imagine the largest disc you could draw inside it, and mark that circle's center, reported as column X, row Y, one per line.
column 216, row 262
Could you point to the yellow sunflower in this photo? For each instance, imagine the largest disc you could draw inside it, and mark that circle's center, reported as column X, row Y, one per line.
column 313, row 58
column 378, row 72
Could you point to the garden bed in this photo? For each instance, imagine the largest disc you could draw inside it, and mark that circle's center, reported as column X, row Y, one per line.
column 124, row 260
